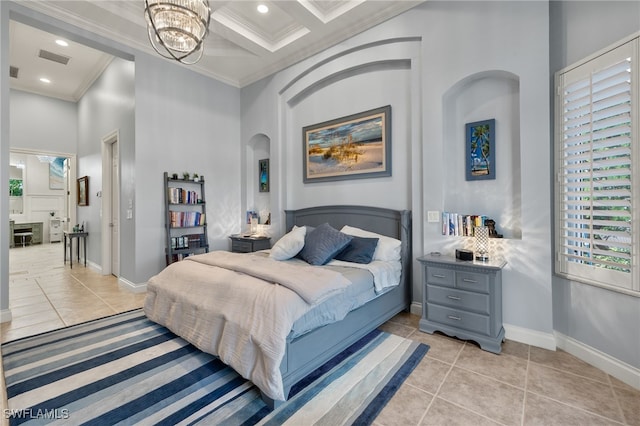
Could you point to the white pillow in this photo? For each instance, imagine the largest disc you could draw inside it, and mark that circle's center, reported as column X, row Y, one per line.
column 289, row 245
column 388, row 249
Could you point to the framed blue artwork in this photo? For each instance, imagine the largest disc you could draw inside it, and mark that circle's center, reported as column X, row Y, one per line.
column 480, row 150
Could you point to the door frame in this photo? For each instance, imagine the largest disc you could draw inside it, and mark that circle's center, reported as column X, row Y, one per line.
column 106, row 195
column 72, row 173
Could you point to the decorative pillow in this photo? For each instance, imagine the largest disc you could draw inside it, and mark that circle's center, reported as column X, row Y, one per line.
column 388, row 249
column 289, row 245
column 322, row 244
column 359, row 250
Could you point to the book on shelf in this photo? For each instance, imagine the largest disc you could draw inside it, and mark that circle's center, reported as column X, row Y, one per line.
column 186, row 219
column 461, row 225
column 191, row 241
column 182, row 196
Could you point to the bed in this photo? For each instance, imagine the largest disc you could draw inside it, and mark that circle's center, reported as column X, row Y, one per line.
column 303, row 352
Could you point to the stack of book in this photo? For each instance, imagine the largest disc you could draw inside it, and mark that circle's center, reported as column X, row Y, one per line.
column 182, row 196
column 188, row 241
column 461, row 225
column 186, row 219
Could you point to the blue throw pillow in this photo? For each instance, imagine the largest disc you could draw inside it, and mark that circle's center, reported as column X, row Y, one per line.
column 322, row 244
column 359, row 250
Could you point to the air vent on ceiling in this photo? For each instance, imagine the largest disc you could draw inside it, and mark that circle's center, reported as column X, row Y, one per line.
column 13, row 71
column 45, row 54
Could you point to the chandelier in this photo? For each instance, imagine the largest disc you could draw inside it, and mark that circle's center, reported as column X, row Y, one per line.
column 177, row 28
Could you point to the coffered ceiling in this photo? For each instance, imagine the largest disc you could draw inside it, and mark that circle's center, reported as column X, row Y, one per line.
column 243, row 45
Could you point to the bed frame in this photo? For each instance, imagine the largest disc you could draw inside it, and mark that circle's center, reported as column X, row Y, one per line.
column 307, row 352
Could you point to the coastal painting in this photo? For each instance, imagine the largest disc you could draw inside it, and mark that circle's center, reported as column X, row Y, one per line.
column 356, row 146
column 56, row 173
column 480, row 150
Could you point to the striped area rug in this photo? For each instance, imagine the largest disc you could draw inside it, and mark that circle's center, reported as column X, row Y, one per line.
column 126, row 369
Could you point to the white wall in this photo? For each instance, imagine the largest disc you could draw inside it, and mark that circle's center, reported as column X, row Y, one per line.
column 411, row 62
column 591, row 319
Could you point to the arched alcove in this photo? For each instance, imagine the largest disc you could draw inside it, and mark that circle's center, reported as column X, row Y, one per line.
column 483, row 96
column 258, row 148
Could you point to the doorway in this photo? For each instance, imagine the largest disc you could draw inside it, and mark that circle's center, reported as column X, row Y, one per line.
column 111, row 204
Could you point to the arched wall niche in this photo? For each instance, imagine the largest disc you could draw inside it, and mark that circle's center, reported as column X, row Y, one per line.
column 493, row 94
column 258, row 148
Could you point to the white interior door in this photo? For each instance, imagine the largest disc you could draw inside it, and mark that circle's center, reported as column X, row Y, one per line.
column 115, row 210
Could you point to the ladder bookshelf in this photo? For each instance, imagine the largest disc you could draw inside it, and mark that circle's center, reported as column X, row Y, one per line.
column 185, row 218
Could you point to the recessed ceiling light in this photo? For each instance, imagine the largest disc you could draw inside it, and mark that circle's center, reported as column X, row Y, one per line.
column 62, row 43
column 45, row 80
column 262, row 8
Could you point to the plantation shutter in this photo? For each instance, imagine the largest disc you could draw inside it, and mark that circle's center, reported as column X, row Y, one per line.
column 596, row 170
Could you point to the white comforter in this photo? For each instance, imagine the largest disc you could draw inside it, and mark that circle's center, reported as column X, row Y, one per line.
column 239, row 307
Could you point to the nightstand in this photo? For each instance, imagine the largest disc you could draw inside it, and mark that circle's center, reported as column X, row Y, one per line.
column 249, row 244
column 463, row 299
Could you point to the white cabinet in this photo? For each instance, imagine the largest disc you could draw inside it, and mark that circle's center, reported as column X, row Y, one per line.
column 55, row 230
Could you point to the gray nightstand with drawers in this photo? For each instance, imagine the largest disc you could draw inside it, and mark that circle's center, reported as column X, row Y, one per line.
column 249, row 244
column 463, row 299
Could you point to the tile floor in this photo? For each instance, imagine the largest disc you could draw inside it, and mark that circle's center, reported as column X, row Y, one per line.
column 455, row 384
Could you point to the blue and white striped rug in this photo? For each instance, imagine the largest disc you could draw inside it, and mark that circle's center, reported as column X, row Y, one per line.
column 126, row 369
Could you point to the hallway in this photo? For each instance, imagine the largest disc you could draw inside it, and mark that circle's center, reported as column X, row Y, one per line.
column 45, row 293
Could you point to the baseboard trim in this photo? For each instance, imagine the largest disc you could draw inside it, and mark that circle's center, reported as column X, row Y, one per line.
column 416, row 308
column 530, row 337
column 610, row 365
column 5, row 315
column 131, row 286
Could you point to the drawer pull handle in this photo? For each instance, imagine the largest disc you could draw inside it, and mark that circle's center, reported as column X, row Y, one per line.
column 453, row 297
column 467, row 280
column 454, row 318
column 438, row 276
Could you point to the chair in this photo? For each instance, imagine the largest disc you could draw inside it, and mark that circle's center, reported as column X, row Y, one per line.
column 24, row 236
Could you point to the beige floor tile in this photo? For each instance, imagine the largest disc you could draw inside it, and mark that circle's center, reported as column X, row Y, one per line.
column 566, row 362
column 517, row 349
column 629, row 400
column 442, row 347
column 544, row 411
column 429, row 375
column 72, row 316
column 577, row 391
column 33, row 318
column 444, row 413
column 484, row 396
column 407, row 405
column 506, row 368
column 16, row 302
column 406, row 318
column 397, row 329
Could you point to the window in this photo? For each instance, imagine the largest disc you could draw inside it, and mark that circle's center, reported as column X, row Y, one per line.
column 597, row 163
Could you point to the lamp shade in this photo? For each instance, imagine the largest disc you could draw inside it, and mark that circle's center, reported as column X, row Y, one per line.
column 482, row 243
column 177, row 28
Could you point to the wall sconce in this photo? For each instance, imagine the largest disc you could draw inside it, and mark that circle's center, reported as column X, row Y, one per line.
column 482, row 243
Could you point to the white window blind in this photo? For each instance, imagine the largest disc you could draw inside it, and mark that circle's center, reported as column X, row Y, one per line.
column 596, row 194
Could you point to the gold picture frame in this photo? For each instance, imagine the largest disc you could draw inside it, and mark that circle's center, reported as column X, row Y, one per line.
column 83, row 191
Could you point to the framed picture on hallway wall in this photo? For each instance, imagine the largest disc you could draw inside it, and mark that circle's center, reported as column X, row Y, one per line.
column 83, row 191
column 351, row 147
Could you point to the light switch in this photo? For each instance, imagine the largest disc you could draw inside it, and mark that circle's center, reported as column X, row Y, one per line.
column 129, row 214
column 433, row 216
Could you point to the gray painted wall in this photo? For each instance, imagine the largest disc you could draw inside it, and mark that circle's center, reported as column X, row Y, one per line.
column 185, row 122
column 108, row 106
column 5, row 314
column 412, row 62
column 602, row 319
column 41, row 123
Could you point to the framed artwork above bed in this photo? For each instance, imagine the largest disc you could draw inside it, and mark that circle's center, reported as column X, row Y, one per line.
column 352, row 147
